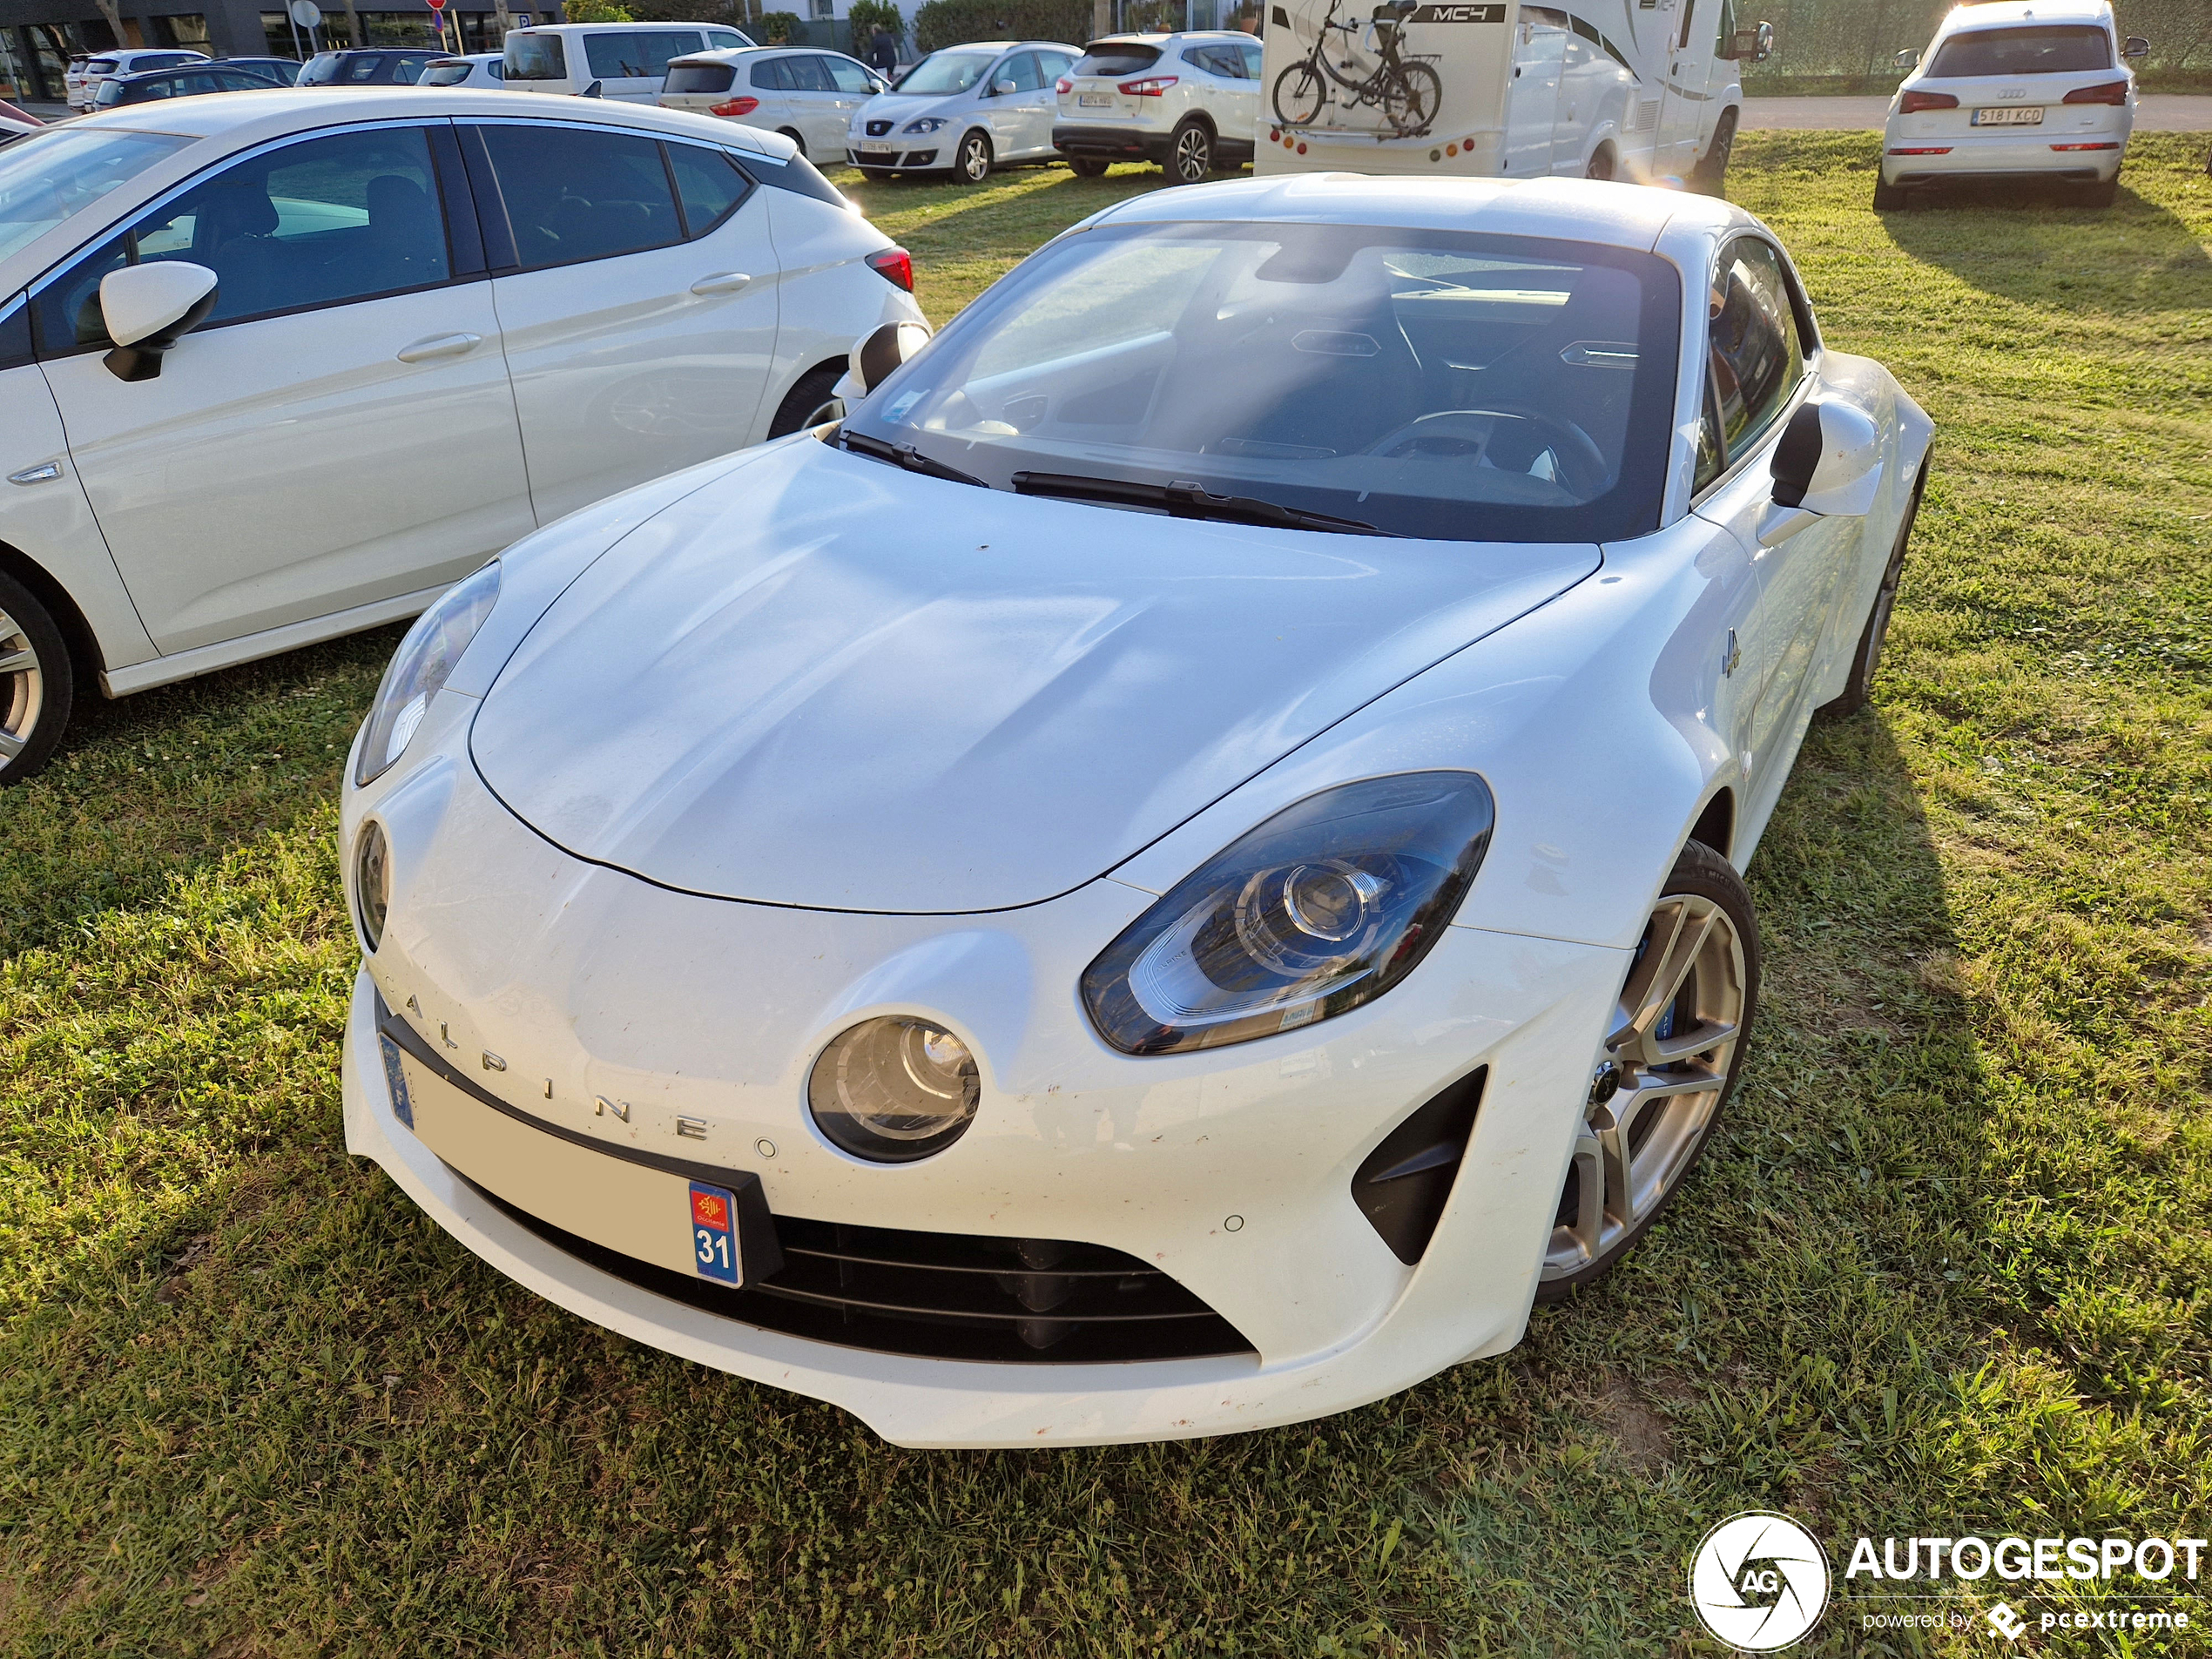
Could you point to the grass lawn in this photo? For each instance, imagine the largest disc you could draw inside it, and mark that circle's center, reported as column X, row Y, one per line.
column 1948, row 1270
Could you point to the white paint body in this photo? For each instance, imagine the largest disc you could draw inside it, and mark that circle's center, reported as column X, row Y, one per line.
column 1096, row 111
column 817, row 115
column 199, row 520
column 615, row 71
column 2082, row 141
column 1638, row 86
column 1017, row 123
column 956, row 785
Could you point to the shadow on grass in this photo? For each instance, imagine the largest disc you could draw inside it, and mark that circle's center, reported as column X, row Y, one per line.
column 2021, row 241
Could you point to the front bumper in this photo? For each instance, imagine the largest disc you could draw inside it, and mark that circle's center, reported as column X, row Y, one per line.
column 2056, row 153
column 889, row 156
column 555, row 984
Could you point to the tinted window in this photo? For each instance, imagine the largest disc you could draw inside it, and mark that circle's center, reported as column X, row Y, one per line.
column 709, row 183
column 1429, row 382
column 2047, row 48
column 629, row 57
column 772, row 75
column 238, row 80
column 444, row 75
column 810, row 75
column 798, row 175
column 533, row 58
column 698, row 77
column 1756, row 359
column 161, row 60
column 100, row 66
column 849, row 76
column 1022, row 70
column 1116, row 58
column 577, row 193
column 323, row 222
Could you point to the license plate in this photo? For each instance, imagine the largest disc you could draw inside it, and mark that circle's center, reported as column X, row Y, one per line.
column 1095, row 100
column 714, row 1234
column 2008, row 118
column 876, row 150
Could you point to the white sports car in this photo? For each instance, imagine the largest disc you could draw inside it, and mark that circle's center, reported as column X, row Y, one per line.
column 1178, row 869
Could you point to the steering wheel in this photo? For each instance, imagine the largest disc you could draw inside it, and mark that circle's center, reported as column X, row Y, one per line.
column 1471, row 432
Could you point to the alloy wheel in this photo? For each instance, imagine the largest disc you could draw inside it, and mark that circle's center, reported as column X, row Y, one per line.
column 1193, row 154
column 1665, row 1070
column 976, row 158
column 23, row 689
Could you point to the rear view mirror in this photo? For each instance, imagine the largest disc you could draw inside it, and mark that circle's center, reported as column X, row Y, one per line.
column 875, row 358
column 1828, row 465
column 147, row 309
column 2135, row 46
column 1909, row 58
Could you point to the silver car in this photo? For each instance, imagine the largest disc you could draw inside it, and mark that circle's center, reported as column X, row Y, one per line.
column 964, row 110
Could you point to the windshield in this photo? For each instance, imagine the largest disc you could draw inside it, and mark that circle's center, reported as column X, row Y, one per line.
column 943, row 72
column 48, row 176
column 536, row 57
column 1428, row 383
column 2045, row 50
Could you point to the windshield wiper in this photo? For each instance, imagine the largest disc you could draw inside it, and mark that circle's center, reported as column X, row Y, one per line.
column 1183, row 499
column 904, row 454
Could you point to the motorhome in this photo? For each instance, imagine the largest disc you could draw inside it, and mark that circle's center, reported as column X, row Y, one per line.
column 1640, row 90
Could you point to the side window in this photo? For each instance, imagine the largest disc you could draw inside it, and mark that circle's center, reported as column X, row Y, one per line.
column 662, row 44
column 709, row 184
column 1022, row 70
column 1250, row 53
column 576, row 193
column 848, row 75
column 1055, row 65
column 773, row 75
column 324, row 222
column 809, row 74
column 1757, row 361
column 613, row 58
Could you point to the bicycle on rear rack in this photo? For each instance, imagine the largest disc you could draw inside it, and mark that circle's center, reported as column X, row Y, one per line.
column 1407, row 91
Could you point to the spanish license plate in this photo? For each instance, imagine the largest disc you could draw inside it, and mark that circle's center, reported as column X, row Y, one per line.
column 2023, row 117
column 1095, row 100
column 883, row 150
column 714, row 1234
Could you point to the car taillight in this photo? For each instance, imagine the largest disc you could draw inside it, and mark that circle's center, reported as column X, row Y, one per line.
column 2106, row 92
column 896, row 266
column 1151, row 87
column 736, row 106
column 1912, row 103
column 1064, row 84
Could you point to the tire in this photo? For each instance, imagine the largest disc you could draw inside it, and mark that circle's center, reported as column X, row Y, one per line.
column 1411, row 106
column 1709, row 176
column 810, row 402
column 1601, row 165
column 792, row 134
column 1859, row 686
column 38, row 683
column 1299, row 94
column 1888, row 198
column 972, row 161
column 1637, row 1147
column 1087, row 166
column 2101, row 195
column 1190, row 153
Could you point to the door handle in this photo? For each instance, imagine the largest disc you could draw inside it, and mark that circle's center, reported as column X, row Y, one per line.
column 721, row 282
column 439, row 345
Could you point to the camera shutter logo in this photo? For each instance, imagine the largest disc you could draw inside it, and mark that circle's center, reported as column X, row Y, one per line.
column 1759, row 1581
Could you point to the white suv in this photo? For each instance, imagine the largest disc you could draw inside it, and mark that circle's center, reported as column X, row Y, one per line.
column 2013, row 89
column 1190, row 102
column 84, row 85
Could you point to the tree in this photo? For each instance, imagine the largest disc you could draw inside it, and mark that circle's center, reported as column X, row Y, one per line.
column 595, row 11
column 866, row 15
column 774, row 28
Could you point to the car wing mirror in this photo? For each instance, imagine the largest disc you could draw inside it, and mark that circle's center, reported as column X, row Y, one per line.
column 1001, row 89
column 1909, row 58
column 877, row 355
column 147, row 309
column 1753, row 45
column 2135, row 46
column 1827, row 465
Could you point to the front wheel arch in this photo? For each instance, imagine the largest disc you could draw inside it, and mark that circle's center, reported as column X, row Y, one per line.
column 84, row 654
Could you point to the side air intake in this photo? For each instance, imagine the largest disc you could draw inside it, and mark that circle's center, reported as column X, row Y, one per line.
column 1402, row 1186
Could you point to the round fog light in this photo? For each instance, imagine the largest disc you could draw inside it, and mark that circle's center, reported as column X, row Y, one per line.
column 892, row 1090
column 372, row 882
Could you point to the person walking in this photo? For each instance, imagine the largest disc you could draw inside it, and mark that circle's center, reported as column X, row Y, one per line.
column 883, row 52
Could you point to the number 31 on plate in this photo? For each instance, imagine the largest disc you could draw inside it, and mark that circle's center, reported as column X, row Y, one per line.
column 714, row 1233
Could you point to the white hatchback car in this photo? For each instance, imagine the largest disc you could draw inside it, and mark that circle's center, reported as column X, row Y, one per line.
column 809, row 96
column 82, row 86
column 278, row 366
column 1190, row 102
column 964, row 110
column 477, row 69
column 2014, row 90
column 1180, row 866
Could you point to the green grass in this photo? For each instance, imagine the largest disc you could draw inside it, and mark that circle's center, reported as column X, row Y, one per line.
column 1945, row 1271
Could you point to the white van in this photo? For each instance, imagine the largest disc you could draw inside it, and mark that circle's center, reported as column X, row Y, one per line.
column 618, row 60
column 1640, row 90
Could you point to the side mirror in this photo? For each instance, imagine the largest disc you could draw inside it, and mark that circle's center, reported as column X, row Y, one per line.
column 2135, row 46
column 1828, row 465
column 1760, row 46
column 1000, row 89
column 147, row 309
column 875, row 358
column 1909, row 58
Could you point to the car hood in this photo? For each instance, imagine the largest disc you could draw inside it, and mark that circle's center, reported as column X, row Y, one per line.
column 822, row 681
column 899, row 109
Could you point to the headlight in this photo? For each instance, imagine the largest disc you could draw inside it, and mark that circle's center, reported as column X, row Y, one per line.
column 421, row 666
column 928, row 123
column 1325, row 907
column 372, row 882
column 893, row 1090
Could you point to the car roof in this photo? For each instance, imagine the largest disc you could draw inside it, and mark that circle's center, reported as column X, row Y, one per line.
column 1179, row 34
column 1999, row 14
column 1629, row 216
